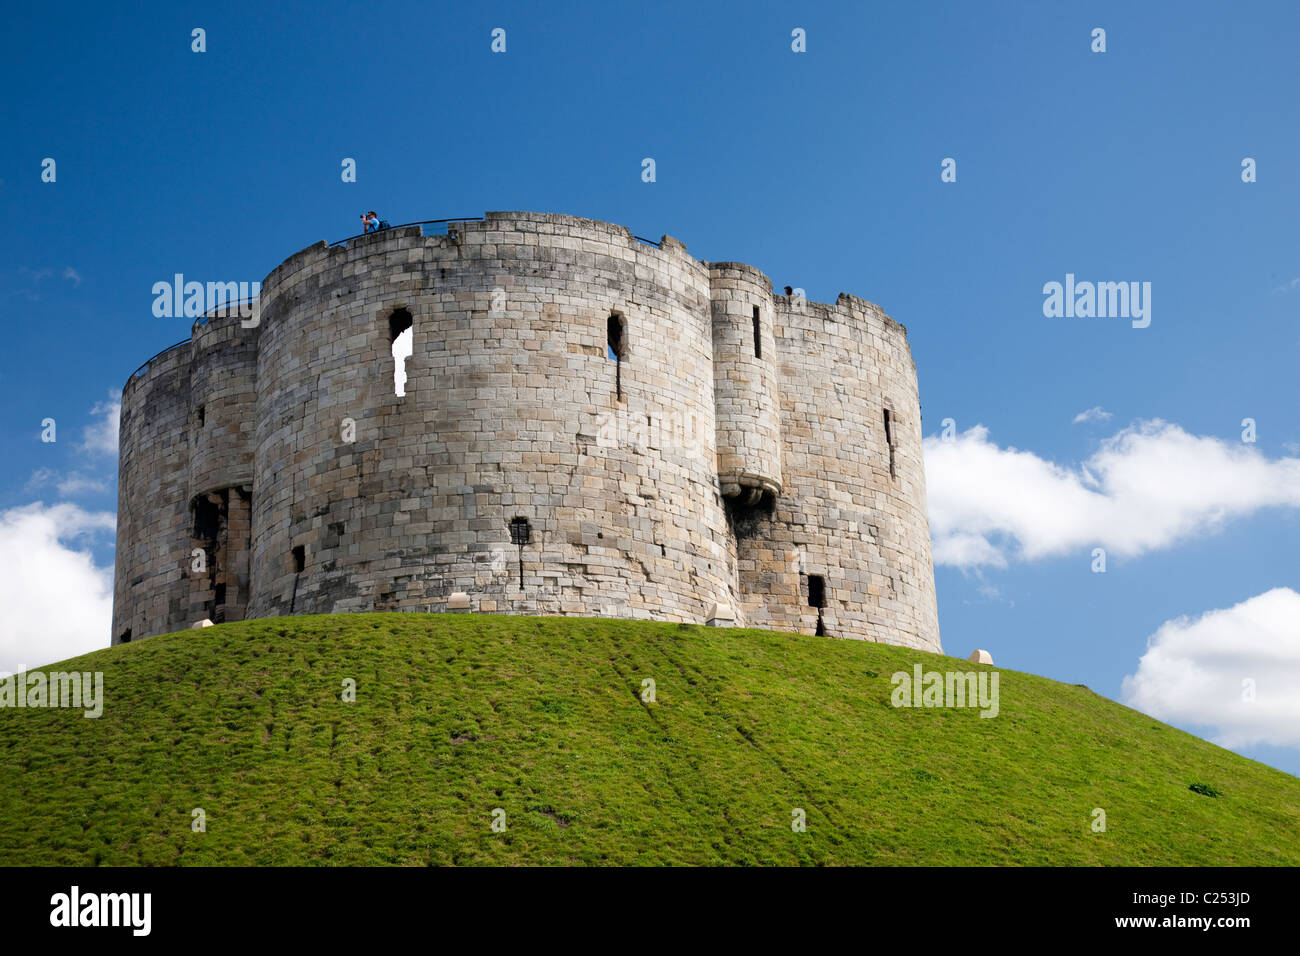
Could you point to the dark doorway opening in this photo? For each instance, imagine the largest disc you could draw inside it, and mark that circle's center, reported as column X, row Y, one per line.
column 817, row 599
column 816, row 591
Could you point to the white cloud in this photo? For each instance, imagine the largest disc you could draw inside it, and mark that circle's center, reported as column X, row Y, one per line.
column 1094, row 414
column 1193, row 670
column 100, row 437
column 1147, row 487
column 98, row 440
column 69, row 485
column 39, row 275
column 78, row 484
column 964, row 550
column 40, row 478
column 57, row 602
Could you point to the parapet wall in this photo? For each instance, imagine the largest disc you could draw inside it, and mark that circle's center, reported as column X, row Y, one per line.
column 603, row 398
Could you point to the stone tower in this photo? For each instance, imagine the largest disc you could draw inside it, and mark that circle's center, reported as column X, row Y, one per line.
column 592, row 425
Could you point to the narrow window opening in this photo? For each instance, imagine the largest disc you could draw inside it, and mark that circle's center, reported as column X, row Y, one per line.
column 202, row 415
column 401, row 338
column 758, row 334
column 520, row 534
column 299, row 558
column 615, row 348
column 889, row 440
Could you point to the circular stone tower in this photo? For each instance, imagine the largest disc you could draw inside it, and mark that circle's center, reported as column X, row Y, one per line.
column 589, row 424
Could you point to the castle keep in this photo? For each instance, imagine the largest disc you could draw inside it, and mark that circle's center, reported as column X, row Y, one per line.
column 592, row 425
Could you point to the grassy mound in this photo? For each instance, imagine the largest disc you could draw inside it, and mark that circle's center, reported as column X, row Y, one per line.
column 456, row 716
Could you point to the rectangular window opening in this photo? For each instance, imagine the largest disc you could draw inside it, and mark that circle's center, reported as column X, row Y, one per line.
column 758, row 334
column 816, row 591
column 299, row 558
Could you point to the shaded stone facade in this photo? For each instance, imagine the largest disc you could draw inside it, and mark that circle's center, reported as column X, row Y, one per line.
column 591, row 425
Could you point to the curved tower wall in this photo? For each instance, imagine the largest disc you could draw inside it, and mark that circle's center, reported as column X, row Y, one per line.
column 223, row 403
column 150, row 587
column 513, row 410
column 310, row 486
column 843, row 517
column 223, row 416
column 745, row 382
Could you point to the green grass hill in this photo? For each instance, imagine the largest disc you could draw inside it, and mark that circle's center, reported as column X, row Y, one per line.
column 458, row 715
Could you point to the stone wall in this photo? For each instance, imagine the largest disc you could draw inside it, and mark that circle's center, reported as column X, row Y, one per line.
column 745, row 381
column 151, row 587
column 842, row 516
column 603, row 390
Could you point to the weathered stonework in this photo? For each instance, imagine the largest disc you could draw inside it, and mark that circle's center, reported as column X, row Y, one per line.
column 692, row 471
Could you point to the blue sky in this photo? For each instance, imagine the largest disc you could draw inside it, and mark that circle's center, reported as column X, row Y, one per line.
column 821, row 168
